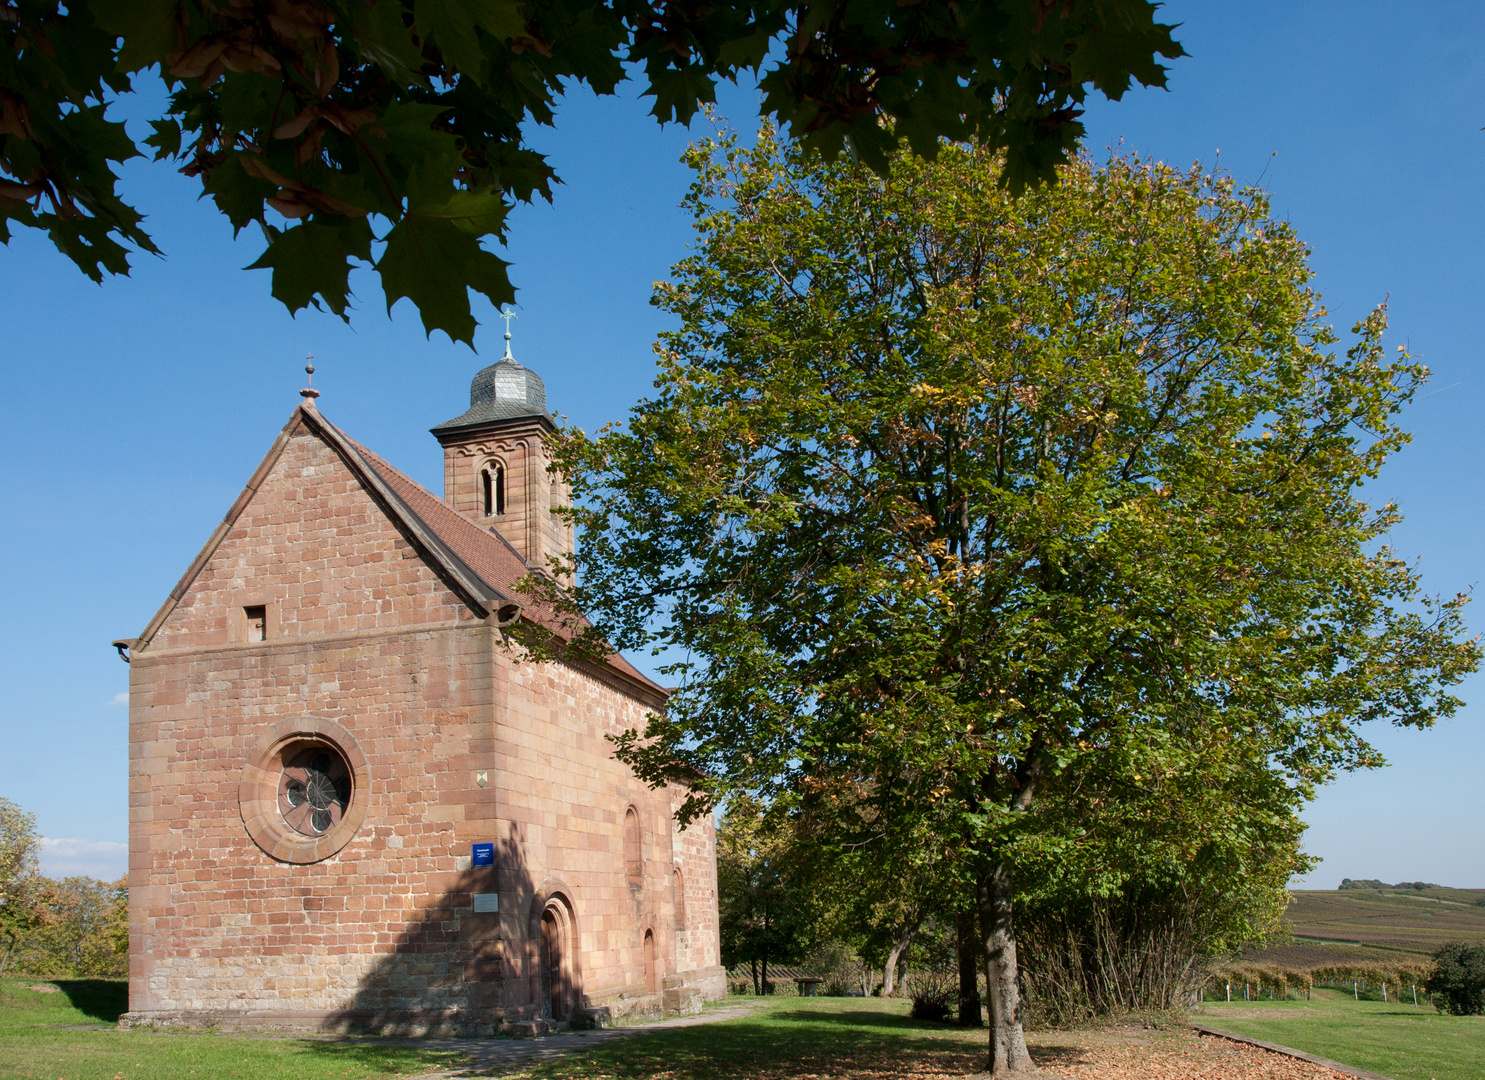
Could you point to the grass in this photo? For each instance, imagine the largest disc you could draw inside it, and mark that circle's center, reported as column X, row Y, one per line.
column 1399, row 1041
column 68, row 1034
column 784, row 1039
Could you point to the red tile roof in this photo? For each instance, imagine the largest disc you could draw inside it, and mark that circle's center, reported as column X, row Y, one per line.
column 485, row 552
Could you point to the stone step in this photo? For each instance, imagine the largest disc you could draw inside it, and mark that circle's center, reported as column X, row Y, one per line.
column 528, row 1029
column 682, row 1001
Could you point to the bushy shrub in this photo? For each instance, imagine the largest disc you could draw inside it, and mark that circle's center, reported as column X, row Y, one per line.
column 1458, row 980
column 1140, row 952
column 840, row 967
column 935, row 992
column 931, row 978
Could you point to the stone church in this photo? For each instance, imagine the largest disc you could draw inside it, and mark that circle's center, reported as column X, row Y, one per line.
column 353, row 806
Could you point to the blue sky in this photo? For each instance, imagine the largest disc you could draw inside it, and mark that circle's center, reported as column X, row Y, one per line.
column 132, row 413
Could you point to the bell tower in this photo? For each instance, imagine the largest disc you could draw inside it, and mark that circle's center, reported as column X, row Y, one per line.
column 495, row 459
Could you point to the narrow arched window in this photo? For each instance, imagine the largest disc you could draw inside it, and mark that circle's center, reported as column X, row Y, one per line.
column 679, row 884
column 492, row 490
column 652, row 965
column 634, row 868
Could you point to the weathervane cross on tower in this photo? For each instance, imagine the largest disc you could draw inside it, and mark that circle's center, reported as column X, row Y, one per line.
column 508, row 316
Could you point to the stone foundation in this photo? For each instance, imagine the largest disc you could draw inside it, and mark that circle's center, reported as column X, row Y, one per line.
column 415, row 1023
column 680, row 995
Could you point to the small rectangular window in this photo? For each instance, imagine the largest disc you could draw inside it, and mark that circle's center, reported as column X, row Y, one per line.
column 257, row 622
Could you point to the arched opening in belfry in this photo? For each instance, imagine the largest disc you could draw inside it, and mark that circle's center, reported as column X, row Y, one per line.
column 678, row 884
column 492, row 490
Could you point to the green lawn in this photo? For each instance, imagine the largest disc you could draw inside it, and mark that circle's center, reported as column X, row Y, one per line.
column 70, row 1036
column 40, row 1040
column 1400, row 1041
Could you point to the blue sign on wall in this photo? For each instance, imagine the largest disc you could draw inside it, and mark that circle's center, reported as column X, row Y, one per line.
column 484, row 855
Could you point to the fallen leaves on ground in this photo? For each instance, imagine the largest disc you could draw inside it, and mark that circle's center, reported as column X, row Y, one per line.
column 1128, row 1055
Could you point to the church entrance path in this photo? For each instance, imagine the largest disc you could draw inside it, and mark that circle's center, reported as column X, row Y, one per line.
column 491, row 1057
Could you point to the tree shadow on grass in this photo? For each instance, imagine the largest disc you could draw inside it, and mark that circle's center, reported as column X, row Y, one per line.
column 104, row 1000
column 763, row 1048
column 869, row 1018
column 371, row 1055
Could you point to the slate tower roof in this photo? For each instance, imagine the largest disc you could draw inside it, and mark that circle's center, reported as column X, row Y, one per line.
column 503, row 391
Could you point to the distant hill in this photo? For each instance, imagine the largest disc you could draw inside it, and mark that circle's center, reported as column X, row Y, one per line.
column 1372, row 923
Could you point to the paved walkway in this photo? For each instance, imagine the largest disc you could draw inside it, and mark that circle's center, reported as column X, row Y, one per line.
column 491, row 1057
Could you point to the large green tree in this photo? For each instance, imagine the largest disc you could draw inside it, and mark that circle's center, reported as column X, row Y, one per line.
column 390, row 132
column 960, row 492
column 764, row 902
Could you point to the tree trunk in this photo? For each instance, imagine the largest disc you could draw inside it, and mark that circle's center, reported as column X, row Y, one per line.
column 1008, row 1053
column 967, row 941
column 767, row 986
column 889, row 970
column 10, row 948
column 757, row 986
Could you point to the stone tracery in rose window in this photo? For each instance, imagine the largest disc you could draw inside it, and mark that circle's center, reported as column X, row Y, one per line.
column 314, row 791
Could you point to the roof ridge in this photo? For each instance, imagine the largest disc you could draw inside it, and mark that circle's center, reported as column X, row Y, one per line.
column 377, row 461
column 482, row 566
column 469, row 547
column 446, row 511
column 424, row 532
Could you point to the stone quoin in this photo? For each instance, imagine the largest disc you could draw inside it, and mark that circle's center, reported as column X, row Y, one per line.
column 326, row 718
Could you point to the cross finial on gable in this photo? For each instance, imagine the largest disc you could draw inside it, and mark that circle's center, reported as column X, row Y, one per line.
column 309, row 393
column 508, row 316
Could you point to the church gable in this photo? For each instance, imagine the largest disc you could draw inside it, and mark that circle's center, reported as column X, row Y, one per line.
column 309, row 549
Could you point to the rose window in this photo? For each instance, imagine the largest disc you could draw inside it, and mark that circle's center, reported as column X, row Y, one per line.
column 314, row 791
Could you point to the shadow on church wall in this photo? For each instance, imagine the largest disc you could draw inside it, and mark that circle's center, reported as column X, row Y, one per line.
column 456, row 971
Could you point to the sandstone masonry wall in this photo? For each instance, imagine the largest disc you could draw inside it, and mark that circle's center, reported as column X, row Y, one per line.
column 362, row 633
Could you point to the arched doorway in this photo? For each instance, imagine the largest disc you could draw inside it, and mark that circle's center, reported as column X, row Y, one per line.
column 652, row 976
column 555, row 962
